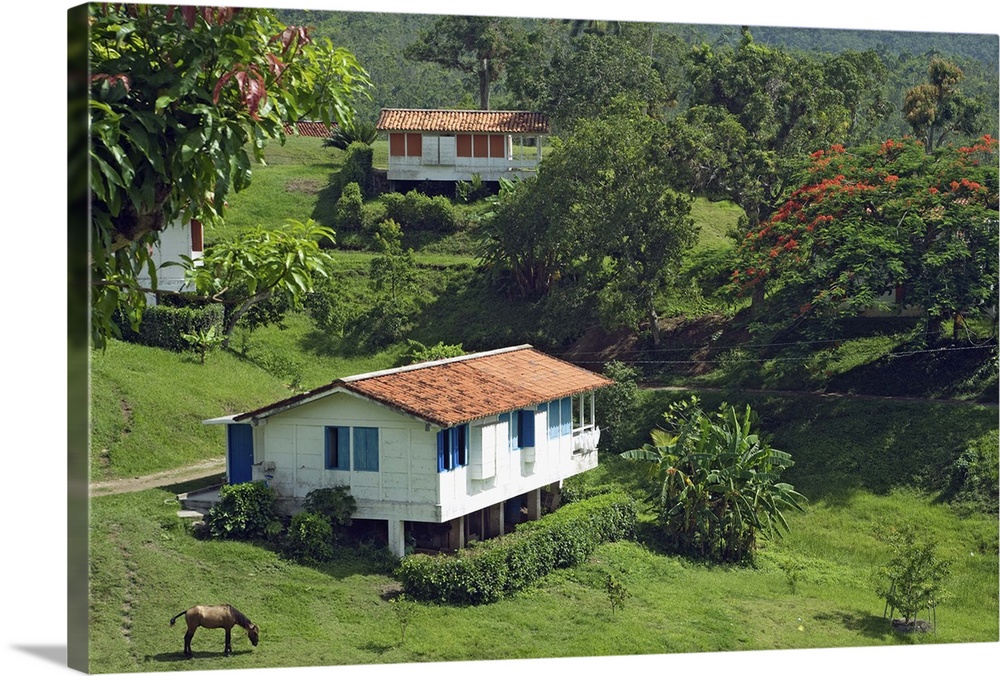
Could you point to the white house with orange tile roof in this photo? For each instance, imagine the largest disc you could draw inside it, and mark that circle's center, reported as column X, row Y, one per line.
column 442, row 451
column 455, row 145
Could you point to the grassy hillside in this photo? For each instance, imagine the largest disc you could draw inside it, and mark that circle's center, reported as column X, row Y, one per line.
column 865, row 469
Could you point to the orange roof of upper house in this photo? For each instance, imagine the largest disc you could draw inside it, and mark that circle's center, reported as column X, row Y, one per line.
column 453, row 391
column 496, row 121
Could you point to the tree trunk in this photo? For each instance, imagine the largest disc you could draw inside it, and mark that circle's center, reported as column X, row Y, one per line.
column 757, row 300
column 933, row 333
column 484, row 84
column 240, row 311
column 654, row 325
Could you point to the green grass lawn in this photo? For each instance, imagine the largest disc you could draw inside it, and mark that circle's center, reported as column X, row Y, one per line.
column 147, row 567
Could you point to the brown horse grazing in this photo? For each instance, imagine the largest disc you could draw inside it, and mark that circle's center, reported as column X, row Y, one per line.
column 214, row 617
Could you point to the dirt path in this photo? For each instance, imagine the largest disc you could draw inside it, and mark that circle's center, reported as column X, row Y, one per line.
column 165, row 478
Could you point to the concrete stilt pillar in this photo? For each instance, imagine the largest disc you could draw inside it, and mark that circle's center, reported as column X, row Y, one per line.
column 456, row 537
column 494, row 523
column 534, row 499
column 397, row 539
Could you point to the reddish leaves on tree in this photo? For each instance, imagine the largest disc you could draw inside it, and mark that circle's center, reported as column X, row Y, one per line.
column 250, row 82
column 212, row 15
column 291, row 39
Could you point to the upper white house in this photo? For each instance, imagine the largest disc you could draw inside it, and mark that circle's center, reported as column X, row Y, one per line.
column 455, row 145
column 442, row 451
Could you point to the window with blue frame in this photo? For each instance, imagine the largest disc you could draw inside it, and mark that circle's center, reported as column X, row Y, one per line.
column 453, row 448
column 553, row 409
column 365, row 449
column 526, row 428
column 338, row 448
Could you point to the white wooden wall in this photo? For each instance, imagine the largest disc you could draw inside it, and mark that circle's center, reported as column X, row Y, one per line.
column 290, row 449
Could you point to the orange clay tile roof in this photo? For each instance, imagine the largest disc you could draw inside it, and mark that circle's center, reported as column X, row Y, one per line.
column 453, row 391
column 305, row 128
column 495, row 121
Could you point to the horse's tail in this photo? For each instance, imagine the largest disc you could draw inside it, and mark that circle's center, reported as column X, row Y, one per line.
column 174, row 618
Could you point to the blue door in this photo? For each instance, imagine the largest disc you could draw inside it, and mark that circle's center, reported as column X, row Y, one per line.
column 240, row 453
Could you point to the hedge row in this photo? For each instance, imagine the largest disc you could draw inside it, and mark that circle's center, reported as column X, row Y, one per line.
column 162, row 325
column 500, row 567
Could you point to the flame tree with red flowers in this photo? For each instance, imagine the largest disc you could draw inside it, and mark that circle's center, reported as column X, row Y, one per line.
column 181, row 101
column 869, row 221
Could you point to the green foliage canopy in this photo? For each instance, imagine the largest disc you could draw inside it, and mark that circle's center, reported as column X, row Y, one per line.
column 477, row 45
column 718, row 481
column 868, row 219
column 180, row 97
column 605, row 206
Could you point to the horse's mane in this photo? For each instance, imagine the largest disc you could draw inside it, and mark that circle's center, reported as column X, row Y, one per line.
column 240, row 618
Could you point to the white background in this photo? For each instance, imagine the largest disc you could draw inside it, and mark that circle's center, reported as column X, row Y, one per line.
column 34, row 344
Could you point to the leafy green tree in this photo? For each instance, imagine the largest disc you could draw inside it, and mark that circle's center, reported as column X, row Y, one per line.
column 181, row 99
column 938, row 108
column 867, row 220
column 523, row 251
column 719, row 487
column 611, row 184
column 782, row 104
column 604, row 212
column 914, row 576
column 476, row 45
column 858, row 96
column 583, row 78
column 261, row 264
column 392, row 276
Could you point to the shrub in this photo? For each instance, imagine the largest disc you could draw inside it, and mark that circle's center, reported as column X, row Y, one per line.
column 419, row 212
column 244, row 511
column 500, row 567
column 353, row 131
column 975, row 477
column 420, row 352
column 348, row 216
column 309, row 538
column 914, row 576
column 616, row 404
column 164, row 326
column 335, row 504
column 357, row 168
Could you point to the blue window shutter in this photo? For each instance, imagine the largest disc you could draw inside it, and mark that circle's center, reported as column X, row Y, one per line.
column 527, row 431
column 515, row 429
column 442, row 450
column 553, row 419
column 567, row 416
column 366, row 449
column 454, row 434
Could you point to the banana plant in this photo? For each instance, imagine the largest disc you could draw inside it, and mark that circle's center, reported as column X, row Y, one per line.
column 717, row 480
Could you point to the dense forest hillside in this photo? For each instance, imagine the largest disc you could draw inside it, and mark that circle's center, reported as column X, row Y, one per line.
column 378, row 40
